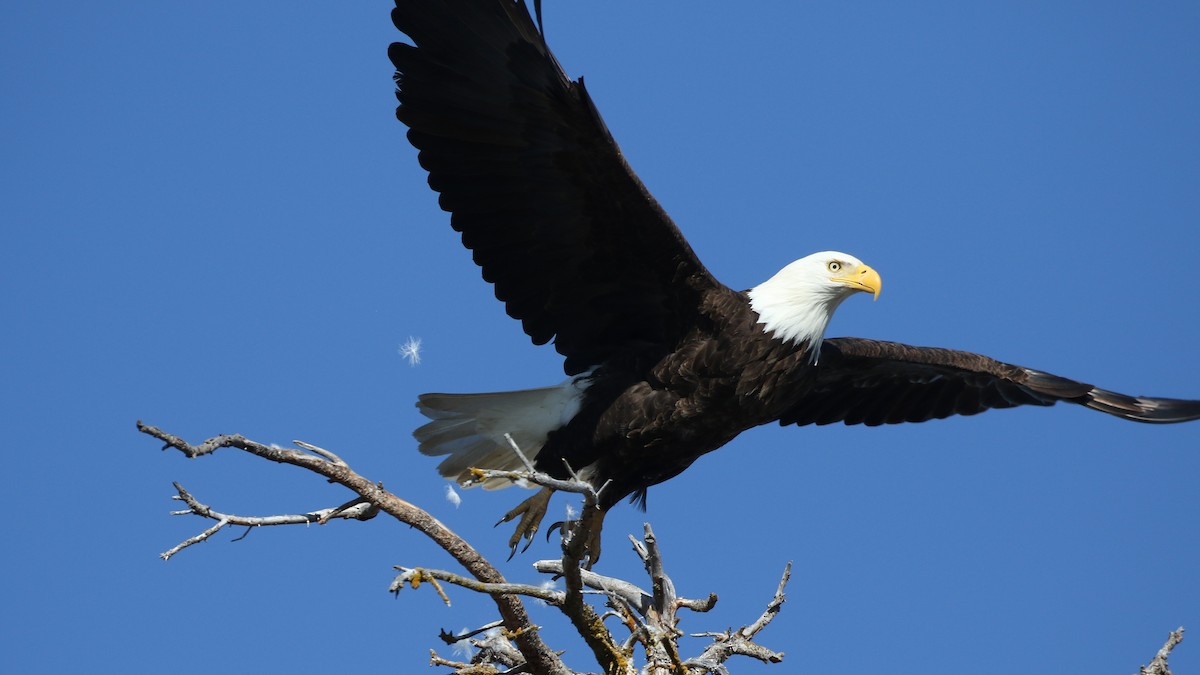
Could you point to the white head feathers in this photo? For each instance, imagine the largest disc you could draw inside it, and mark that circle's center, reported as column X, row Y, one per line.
column 796, row 304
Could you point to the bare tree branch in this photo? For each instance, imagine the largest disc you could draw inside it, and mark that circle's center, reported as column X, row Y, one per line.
column 321, row 451
column 1159, row 665
column 463, row 668
column 541, row 658
column 581, row 538
column 494, row 649
column 414, row 576
column 740, row 642
column 450, row 638
column 166, row 555
column 356, row 510
column 579, row 541
column 660, row 635
column 650, row 616
column 538, row 478
column 639, row 600
column 772, row 608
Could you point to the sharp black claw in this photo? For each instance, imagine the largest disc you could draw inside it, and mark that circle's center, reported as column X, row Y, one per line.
column 560, row 526
column 530, row 513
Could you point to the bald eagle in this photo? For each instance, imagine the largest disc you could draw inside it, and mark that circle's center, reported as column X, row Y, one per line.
column 664, row 362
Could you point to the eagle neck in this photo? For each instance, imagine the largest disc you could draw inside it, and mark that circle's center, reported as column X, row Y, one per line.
column 794, row 312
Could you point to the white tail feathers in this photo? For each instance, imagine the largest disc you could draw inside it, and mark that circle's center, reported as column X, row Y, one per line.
column 470, row 428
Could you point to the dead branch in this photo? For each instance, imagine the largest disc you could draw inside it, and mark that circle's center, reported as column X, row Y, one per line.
column 740, row 642
column 650, row 616
column 578, row 544
column 450, row 638
column 630, row 593
column 357, row 509
column 1159, row 665
column 494, row 650
column 537, row 655
column 414, row 576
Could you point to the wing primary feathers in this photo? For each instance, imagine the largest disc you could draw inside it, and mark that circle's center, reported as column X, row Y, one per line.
column 1143, row 409
column 1134, row 408
column 873, row 382
column 537, row 10
column 574, row 244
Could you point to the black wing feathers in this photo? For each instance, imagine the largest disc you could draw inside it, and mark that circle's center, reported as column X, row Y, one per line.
column 576, row 247
column 874, row 382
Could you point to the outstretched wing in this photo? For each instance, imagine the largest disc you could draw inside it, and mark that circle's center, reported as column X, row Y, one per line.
column 576, row 247
column 872, row 382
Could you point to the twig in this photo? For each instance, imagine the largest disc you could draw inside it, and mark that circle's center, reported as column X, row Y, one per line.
column 638, row 599
column 415, row 575
column 773, row 607
column 166, row 555
column 664, row 588
column 461, row 668
column 357, row 510
column 517, row 449
column 1159, row 665
column 739, row 642
column 322, row 452
column 537, row 478
column 495, row 648
column 451, row 638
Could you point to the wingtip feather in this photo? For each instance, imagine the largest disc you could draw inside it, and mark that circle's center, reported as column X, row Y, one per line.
column 1144, row 409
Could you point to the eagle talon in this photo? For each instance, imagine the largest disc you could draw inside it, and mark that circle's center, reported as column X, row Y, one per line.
column 559, row 526
column 531, row 511
column 595, row 524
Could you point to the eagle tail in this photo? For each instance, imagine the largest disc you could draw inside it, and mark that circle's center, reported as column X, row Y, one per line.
column 471, row 428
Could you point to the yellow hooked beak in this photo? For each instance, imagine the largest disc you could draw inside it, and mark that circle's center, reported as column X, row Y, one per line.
column 862, row 278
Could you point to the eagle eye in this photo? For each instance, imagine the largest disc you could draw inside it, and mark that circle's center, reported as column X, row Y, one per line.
column 834, row 266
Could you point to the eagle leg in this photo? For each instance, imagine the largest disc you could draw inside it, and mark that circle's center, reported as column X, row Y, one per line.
column 594, row 524
column 590, row 525
column 532, row 511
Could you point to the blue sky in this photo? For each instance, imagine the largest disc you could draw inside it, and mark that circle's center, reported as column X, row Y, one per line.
column 213, row 223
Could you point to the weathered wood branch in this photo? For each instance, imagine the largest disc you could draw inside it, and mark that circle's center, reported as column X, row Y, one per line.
column 539, row 657
column 357, row 509
column 1159, row 665
column 740, row 642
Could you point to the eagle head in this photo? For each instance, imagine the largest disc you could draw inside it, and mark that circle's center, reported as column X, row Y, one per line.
column 797, row 303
